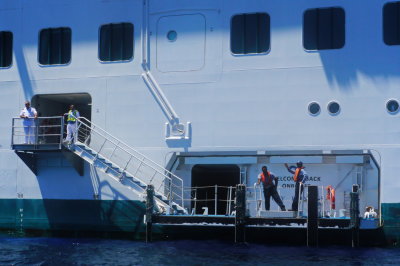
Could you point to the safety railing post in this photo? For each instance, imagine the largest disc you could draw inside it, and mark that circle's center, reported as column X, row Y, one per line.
column 12, row 132
column 182, row 193
column 36, row 121
column 195, row 200
column 216, row 198
column 61, row 131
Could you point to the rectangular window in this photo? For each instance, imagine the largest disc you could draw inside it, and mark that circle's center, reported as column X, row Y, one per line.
column 116, row 42
column 391, row 23
column 250, row 33
column 6, row 44
column 55, row 46
column 324, row 28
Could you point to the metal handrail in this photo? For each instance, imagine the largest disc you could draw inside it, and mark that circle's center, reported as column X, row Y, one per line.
column 144, row 160
column 37, row 130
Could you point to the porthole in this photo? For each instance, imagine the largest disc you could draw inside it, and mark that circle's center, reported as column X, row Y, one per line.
column 392, row 106
column 314, row 108
column 333, row 108
column 172, row 35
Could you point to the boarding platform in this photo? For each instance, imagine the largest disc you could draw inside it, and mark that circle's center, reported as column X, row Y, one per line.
column 313, row 217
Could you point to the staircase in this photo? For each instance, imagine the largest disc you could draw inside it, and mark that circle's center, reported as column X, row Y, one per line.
column 127, row 166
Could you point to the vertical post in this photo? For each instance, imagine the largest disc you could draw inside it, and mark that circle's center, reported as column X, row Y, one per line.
column 312, row 218
column 216, row 199
column 149, row 211
column 354, row 217
column 240, row 218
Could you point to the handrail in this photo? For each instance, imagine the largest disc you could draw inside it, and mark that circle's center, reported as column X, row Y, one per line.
column 137, row 155
column 121, row 142
column 40, row 132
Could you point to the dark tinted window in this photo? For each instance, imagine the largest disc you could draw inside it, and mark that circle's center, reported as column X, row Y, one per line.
column 392, row 106
column 314, row 108
column 324, row 28
column 6, row 43
column 333, row 108
column 250, row 33
column 391, row 23
column 55, row 46
column 116, row 42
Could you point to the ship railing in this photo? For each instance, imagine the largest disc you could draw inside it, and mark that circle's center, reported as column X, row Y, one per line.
column 37, row 133
column 210, row 200
column 220, row 200
column 132, row 162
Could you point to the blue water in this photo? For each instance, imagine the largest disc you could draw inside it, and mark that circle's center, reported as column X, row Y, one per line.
column 58, row 251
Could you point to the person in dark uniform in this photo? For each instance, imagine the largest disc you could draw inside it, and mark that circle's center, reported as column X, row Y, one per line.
column 299, row 177
column 270, row 184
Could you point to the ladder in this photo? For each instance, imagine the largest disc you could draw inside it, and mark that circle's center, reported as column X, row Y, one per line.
column 127, row 166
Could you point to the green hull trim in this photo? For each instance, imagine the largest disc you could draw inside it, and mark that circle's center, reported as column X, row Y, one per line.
column 391, row 223
column 73, row 215
column 124, row 219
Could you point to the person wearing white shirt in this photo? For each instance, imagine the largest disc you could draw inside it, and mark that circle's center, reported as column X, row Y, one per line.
column 29, row 115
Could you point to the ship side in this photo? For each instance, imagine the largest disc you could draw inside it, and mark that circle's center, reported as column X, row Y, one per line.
column 210, row 108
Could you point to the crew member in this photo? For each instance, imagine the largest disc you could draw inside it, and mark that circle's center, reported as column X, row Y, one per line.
column 72, row 117
column 299, row 177
column 270, row 183
column 29, row 115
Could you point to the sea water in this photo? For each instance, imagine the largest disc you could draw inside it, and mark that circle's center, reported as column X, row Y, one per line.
column 65, row 251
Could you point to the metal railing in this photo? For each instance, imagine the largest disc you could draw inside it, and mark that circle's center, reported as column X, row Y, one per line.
column 37, row 131
column 220, row 200
column 130, row 161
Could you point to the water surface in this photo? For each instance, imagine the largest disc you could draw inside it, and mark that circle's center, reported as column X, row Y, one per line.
column 65, row 251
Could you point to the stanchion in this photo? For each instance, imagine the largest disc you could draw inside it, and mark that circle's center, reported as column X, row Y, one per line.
column 240, row 218
column 149, row 211
column 312, row 218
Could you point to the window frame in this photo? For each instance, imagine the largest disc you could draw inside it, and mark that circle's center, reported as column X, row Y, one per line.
column 250, row 54
column 319, row 50
column 133, row 44
column 38, row 51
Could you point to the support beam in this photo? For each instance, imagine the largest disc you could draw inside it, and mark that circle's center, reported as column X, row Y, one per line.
column 240, row 218
column 149, row 211
column 312, row 218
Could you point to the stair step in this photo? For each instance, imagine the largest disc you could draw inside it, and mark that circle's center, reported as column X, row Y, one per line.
column 111, row 169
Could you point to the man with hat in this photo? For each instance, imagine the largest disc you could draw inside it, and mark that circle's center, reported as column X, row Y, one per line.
column 270, row 183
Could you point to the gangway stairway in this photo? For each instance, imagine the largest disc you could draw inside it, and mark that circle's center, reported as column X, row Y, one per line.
column 120, row 162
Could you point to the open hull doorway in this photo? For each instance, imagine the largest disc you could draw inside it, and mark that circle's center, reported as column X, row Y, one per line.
column 205, row 178
column 58, row 104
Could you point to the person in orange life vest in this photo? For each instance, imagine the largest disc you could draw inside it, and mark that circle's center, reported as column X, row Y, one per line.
column 270, row 183
column 299, row 176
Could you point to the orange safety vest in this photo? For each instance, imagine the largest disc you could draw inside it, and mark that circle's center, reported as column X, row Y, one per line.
column 263, row 179
column 297, row 173
column 331, row 196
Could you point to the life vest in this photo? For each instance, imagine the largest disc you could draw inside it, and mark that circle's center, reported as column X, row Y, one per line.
column 266, row 181
column 331, row 196
column 297, row 173
column 71, row 116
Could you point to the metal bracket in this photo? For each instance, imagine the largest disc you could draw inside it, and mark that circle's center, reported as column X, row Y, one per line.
column 178, row 131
